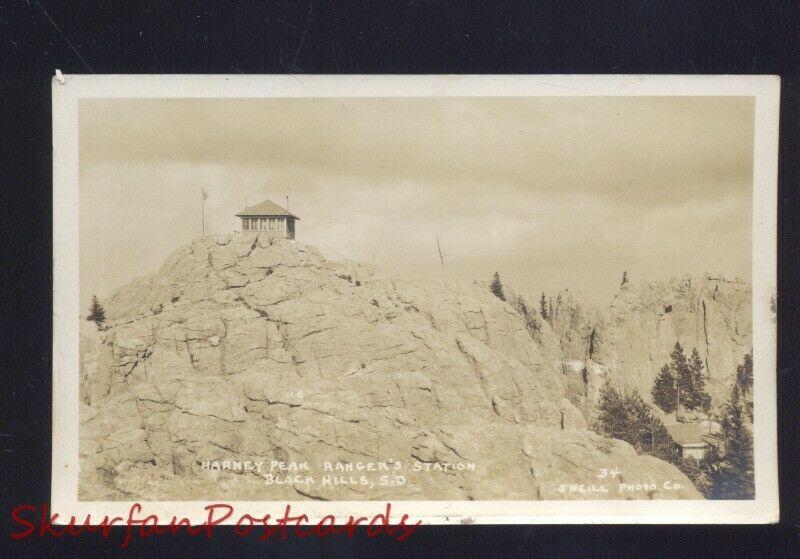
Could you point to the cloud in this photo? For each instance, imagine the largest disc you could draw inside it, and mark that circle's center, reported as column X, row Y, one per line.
column 638, row 150
column 557, row 192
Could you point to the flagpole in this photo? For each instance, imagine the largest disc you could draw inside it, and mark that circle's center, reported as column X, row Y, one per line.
column 203, row 196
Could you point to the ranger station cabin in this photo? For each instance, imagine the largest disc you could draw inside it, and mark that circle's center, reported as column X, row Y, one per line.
column 270, row 217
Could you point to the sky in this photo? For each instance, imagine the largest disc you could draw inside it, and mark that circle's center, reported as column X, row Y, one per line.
column 551, row 192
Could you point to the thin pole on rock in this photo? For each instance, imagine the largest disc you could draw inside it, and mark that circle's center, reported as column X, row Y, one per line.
column 204, row 195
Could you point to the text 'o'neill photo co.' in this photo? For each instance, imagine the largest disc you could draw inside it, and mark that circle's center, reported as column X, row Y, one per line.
column 506, row 301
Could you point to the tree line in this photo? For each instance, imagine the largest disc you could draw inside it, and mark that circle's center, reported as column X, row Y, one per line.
column 546, row 308
column 726, row 470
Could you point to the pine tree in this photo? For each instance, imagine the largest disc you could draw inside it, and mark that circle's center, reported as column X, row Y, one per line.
column 697, row 397
column 624, row 278
column 531, row 321
column 699, row 471
column 611, row 418
column 648, row 433
column 630, row 419
column 543, row 307
column 683, row 375
column 680, row 384
column 733, row 478
column 665, row 390
column 744, row 375
column 97, row 313
column 497, row 287
column 522, row 308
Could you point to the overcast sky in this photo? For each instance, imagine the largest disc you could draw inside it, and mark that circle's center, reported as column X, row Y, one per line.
column 551, row 192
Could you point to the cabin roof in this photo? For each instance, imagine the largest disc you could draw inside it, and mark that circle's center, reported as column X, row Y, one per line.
column 267, row 208
column 687, row 434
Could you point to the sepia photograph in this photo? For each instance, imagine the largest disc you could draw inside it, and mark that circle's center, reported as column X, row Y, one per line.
column 489, row 296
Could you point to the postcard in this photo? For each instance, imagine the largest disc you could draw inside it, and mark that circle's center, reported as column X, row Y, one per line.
column 491, row 299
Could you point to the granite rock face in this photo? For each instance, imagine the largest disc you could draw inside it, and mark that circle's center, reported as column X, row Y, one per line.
column 257, row 349
column 628, row 342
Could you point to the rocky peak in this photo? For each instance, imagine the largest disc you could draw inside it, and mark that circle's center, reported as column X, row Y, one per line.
column 246, row 346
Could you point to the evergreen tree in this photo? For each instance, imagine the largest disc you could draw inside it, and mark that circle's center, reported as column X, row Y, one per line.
column 630, row 419
column 699, row 471
column 531, row 321
column 543, row 307
column 497, row 287
column 97, row 313
column 522, row 308
column 665, row 390
column 697, row 397
column 733, row 476
column 744, row 375
column 648, row 433
column 611, row 417
column 624, row 278
column 680, row 384
column 683, row 375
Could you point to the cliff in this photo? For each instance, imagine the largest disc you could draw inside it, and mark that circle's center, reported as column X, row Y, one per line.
column 249, row 348
column 628, row 342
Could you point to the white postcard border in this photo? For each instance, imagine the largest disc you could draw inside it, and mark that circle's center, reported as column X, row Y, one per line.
column 66, row 94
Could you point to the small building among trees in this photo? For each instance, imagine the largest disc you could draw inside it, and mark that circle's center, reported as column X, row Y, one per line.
column 268, row 217
column 690, row 437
